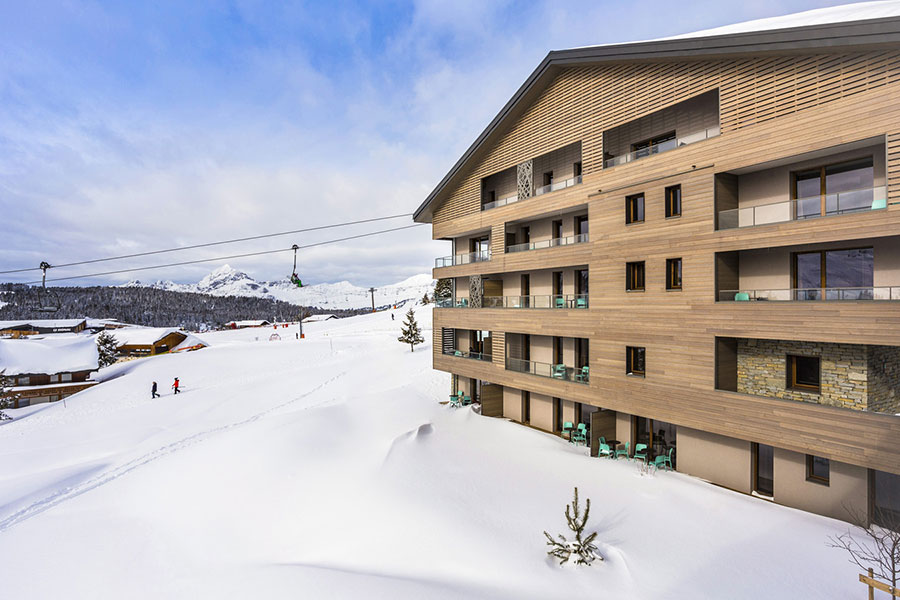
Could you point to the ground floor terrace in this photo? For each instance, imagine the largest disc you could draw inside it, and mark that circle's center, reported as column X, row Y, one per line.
column 804, row 481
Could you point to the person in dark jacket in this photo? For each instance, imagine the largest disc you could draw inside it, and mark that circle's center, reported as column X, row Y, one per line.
column 175, row 385
column 153, row 393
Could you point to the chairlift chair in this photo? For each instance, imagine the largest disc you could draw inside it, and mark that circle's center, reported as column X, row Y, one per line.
column 47, row 300
column 295, row 279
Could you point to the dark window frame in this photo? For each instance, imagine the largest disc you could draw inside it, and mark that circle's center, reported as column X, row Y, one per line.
column 635, row 276
column 673, row 201
column 793, row 384
column 673, row 274
column 811, row 474
column 635, row 208
column 633, row 355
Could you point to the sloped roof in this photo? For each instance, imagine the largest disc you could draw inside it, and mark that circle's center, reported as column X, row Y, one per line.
column 143, row 336
column 49, row 355
column 843, row 28
column 43, row 323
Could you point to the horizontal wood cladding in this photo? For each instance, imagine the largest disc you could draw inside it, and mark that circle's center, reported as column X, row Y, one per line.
column 893, row 169
column 866, row 439
column 582, row 102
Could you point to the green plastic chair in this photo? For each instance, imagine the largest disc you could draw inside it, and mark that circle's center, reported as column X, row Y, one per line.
column 640, row 452
column 567, row 429
column 580, row 302
column 620, row 452
column 560, row 301
column 559, row 372
column 742, row 297
column 602, row 439
column 580, row 435
column 879, row 203
column 583, row 375
column 664, row 460
column 603, row 450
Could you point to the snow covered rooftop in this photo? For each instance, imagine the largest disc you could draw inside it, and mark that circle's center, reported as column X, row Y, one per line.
column 147, row 336
column 43, row 323
column 318, row 318
column 249, row 323
column 49, row 355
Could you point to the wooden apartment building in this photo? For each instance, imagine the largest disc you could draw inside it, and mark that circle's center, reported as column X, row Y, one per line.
column 694, row 244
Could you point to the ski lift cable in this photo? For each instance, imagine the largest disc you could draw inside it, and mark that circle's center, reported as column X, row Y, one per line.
column 208, row 244
column 231, row 257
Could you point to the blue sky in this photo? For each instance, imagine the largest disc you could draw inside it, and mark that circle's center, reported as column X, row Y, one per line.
column 133, row 126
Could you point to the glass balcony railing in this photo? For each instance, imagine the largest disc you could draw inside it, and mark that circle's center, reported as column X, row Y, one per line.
column 800, row 209
column 557, row 185
column 660, row 148
column 812, row 294
column 555, row 242
column 463, row 259
column 500, row 202
column 552, row 301
column 540, row 369
column 470, row 355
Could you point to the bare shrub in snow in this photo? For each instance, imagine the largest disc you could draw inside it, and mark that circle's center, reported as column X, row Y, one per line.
column 108, row 348
column 580, row 551
column 410, row 332
column 7, row 398
column 877, row 548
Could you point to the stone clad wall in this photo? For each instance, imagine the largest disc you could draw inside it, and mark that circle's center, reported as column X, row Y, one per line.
column 762, row 371
column 884, row 379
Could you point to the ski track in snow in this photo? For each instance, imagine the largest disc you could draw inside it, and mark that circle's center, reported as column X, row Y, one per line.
column 93, row 483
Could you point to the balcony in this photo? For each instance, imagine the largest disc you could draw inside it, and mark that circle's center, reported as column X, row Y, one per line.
column 812, row 294
column 551, row 243
column 500, row 202
column 552, row 301
column 550, row 172
column 470, row 355
column 462, row 259
column 559, row 371
column 664, row 146
column 557, row 185
column 813, row 207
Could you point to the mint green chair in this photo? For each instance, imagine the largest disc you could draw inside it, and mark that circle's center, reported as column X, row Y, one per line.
column 620, row 452
column 560, row 302
column 580, row 435
column 640, row 452
column 742, row 297
column 559, row 372
column 583, row 375
column 664, row 460
column 456, row 399
column 580, row 302
column 879, row 203
column 603, row 450
column 567, row 429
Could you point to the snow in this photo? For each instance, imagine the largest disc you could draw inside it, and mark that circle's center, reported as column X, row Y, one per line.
column 844, row 13
column 63, row 353
column 43, row 323
column 326, row 468
column 146, row 336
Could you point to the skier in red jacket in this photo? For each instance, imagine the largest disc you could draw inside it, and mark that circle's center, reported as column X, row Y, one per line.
column 175, row 385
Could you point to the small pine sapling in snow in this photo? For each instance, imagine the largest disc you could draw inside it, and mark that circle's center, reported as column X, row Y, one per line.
column 425, row 299
column 580, row 551
column 410, row 333
column 108, row 348
column 7, row 398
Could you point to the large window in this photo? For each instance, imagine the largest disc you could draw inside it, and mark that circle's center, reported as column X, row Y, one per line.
column 634, row 276
column 887, row 499
column 673, row 201
column 646, row 147
column 834, row 189
column 834, row 274
column 818, row 469
column 634, row 361
column 673, row 273
column 581, row 225
column 634, row 209
column 803, row 373
column 763, row 470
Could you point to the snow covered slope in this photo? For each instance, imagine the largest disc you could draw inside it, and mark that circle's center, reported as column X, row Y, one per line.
column 326, row 468
column 227, row 281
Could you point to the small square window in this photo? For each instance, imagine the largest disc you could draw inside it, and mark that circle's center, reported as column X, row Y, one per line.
column 673, row 273
column 803, row 373
column 818, row 469
column 634, row 276
column 634, row 209
column 673, row 201
column 634, row 361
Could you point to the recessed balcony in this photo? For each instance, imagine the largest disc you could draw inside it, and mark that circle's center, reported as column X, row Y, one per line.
column 550, row 172
column 552, row 371
column 463, row 259
column 551, row 243
column 468, row 354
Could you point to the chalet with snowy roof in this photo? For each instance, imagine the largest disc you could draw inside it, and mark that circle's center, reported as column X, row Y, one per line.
column 39, row 326
column 319, row 318
column 98, row 325
column 247, row 323
column 149, row 341
column 48, row 369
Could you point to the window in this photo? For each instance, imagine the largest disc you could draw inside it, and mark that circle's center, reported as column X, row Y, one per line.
column 673, row 273
column 673, row 201
column 803, row 373
column 24, row 380
column 836, row 274
column 817, row 469
column 634, row 209
column 66, row 377
column 581, row 225
column 557, row 415
column 763, row 469
column 576, row 171
column 834, row 189
column 548, row 178
column 648, row 147
column 581, row 282
column 557, row 283
column 634, row 276
column 557, row 230
column 634, row 361
column 526, row 407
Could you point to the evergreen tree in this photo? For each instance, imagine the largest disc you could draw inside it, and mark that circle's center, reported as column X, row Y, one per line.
column 108, row 348
column 580, row 551
column 425, row 299
column 410, row 333
column 7, row 398
column 443, row 289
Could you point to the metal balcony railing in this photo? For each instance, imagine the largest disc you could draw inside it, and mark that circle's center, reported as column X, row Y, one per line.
column 463, row 259
column 470, row 355
column 551, row 301
column 663, row 147
column 500, row 202
column 812, row 294
column 801, row 209
column 553, row 243
column 561, row 372
column 557, row 185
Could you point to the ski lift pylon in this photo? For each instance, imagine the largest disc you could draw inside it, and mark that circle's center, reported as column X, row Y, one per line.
column 47, row 300
column 295, row 279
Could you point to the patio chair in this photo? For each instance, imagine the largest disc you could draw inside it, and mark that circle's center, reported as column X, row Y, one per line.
column 622, row 452
column 640, row 452
column 559, row 372
column 580, row 435
column 466, row 400
column 742, row 297
column 603, row 450
column 580, row 302
column 567, row 429
column 664, row 460
column 602, row 439
column 560, row 301
column 455, row 400
column 583, row 375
